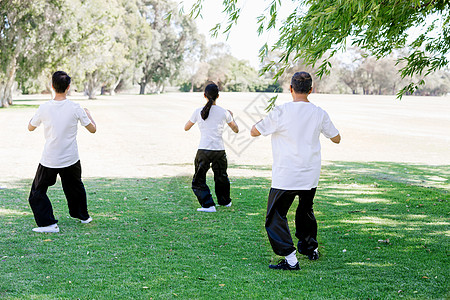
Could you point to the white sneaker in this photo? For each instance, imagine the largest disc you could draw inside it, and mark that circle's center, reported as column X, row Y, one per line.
column 89, row 220
column 228, row 205
column 209, row 209
column 49, row 228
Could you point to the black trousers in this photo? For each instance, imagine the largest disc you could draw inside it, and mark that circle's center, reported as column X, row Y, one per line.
column 217, row 160
column 305, row 222
column 73, row 189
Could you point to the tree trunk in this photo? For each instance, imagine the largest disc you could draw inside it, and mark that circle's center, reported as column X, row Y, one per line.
column 160, row 88
column 114, row 86
column 10, row 76
column 91, row 85
column 3, row 101
column 142, row 89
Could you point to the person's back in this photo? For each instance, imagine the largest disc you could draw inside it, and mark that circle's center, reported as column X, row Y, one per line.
column 295, row 128
column 212, row 128
column 296, row 145
column 60, row 120
column 211, row 120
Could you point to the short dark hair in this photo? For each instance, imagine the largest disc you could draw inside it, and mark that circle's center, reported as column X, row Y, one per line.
column 301, row 82
column 60, row 81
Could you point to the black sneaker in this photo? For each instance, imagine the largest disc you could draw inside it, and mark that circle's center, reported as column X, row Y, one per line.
column 314, row 255
column 283, row 265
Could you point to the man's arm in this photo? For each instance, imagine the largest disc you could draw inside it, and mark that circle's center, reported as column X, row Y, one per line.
column 188, row 125
column 91, row 127
column 31, row 127
column 336, row 139
column 255, row 132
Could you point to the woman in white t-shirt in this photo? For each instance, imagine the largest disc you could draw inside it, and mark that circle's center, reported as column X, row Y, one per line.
column 211, row 121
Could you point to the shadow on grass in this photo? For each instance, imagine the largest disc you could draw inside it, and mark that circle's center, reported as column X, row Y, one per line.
column 382, row 232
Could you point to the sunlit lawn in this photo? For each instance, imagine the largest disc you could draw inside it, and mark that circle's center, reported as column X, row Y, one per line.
column 383, row 233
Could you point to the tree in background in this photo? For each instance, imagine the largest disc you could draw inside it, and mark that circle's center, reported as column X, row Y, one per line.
column 106, row 44
column 229, row 73
column 100, row 53
column 98, row 42
column 173, row 35
column 30, row 34
column 318, row 29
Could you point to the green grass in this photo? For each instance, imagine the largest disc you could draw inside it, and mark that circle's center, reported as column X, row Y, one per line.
column 19, row 106
column 147, row 240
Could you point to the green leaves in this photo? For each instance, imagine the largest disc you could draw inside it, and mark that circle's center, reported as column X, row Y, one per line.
column 317, row 28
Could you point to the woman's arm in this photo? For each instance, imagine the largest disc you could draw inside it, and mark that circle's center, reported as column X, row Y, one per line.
column 188, row 125
column 233, row 126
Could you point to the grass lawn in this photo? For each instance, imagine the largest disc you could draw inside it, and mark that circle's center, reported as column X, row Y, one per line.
column 383, row 233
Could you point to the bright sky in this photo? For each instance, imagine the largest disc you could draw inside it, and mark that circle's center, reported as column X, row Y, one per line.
column 243, row 39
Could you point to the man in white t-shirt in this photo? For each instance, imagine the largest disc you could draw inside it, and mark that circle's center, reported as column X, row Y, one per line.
column 295, row 128
column 60, row 119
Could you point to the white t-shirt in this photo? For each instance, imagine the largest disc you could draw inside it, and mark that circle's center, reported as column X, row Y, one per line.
column 212, row 128
column 60, row 119
column 295, row 129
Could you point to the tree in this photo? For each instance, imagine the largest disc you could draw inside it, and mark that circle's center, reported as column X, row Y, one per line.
column 172, row 36
column 30, row 34
column 103, row 42
column 318, row 29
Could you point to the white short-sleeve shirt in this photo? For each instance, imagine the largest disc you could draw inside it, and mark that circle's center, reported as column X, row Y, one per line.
column 212, row 128
column 295, row 129
column 60, row 120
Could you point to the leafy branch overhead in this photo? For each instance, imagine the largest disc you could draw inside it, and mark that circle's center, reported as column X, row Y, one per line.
column 317, row 30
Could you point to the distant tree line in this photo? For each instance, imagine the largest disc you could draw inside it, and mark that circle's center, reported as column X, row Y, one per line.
column 112, row 45
column 356, row 72
column 105, row 45
column 216, row 64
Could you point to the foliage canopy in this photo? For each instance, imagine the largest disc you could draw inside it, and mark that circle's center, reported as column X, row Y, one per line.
column 318, row 29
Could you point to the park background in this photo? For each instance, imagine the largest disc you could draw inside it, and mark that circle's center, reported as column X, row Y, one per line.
column 382, row 205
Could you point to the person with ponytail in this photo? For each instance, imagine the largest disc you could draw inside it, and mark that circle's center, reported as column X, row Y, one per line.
column 211, row 120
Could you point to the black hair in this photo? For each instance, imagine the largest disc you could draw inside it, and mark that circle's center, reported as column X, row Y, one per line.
column 211, row 92
column 60, row 81
column 301, row 82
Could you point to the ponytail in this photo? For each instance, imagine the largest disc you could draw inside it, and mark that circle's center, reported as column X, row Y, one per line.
column 206, row 109
column 211, row 92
